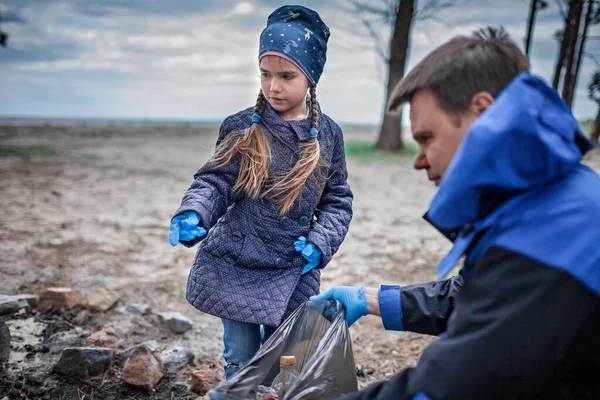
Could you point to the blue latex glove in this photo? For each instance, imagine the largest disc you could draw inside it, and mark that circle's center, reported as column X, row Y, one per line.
column 310, row 252
column 353, row 298
column 185, row 227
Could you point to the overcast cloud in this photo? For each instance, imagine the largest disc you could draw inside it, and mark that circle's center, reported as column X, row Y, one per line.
column 190, row 59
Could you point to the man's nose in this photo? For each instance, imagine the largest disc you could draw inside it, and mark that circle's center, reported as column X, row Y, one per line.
column 420, row 161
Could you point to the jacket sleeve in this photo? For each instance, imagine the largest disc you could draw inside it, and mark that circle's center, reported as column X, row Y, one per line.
column 424, row 308
column 516, row 323
column 334, row 210
column 211, row 192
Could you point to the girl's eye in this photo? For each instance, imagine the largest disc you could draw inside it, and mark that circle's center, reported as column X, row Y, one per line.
column 288, row 77
column 264, row 74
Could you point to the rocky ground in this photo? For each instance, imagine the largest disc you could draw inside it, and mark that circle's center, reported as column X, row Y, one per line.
column 87, row 207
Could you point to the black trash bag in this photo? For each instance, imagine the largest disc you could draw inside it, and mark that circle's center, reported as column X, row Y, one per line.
column 317, row 335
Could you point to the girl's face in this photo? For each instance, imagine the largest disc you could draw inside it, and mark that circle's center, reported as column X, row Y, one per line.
column 284, row 86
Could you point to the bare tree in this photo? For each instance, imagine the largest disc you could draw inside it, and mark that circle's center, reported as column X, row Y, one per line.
column 568, row 41
column 3, row 38
column 573, row 72
column 594, row 94
column 535, row 6
column 398, row 16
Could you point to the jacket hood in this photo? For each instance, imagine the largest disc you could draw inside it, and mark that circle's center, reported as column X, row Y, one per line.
column 527, row 138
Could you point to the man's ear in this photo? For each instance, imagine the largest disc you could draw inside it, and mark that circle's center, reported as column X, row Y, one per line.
column 480, row 102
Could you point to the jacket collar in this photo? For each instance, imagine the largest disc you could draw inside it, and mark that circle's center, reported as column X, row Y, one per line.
column 301, row 128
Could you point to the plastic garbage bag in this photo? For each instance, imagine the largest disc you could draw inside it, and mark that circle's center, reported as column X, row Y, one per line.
column 317, row 335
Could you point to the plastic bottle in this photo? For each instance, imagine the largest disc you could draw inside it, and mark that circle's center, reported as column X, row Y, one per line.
column 287, row 375
column 264, row 393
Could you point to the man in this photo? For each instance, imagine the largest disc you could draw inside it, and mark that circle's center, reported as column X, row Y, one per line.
column 522, row 319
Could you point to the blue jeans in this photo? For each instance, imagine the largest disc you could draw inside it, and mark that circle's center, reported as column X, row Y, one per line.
column 242, row 340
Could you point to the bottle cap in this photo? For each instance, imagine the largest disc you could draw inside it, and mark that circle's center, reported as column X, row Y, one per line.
column 287, row 361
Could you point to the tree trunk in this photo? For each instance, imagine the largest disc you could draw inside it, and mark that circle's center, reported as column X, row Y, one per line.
column 571, row 37
column 559, row 62
column 571, row 78
column 595, row 132
column 530, row 23
column 390, row 136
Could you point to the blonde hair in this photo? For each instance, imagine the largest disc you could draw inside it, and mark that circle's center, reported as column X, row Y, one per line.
column 253, row 147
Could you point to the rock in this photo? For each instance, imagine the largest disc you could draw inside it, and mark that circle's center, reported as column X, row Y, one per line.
column 143, row 369
column 101, row 299
column 176, row 356
column 31, row 299
column 62, row 298
column 152, row 345
column 175, row 321
column 362, row 372
column 4, row 344
column 81, row 317
column 203, row 380
column 104, row 338
column 83, row 362
column 8, row 305
column 23, row 300
column 134, row 309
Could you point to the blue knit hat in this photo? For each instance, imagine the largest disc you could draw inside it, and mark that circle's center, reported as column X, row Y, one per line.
column 299, row 34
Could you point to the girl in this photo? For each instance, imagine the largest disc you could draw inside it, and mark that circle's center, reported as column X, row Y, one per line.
column 272, row 206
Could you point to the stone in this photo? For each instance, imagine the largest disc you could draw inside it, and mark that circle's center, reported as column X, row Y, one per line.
column 176, row 356
column 9, row 305
column 152, row 345
column 142, row 369
column 203, row 380
column 59, row 297
column 134, row 309
column 175, row 321
column 83, row 362
column 103, row 338
column 81, row 317
column 102, row 299
column 31, row 299
column 4, row 344
column 23, row 299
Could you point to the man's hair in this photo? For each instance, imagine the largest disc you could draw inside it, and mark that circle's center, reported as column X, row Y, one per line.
column 486, row 61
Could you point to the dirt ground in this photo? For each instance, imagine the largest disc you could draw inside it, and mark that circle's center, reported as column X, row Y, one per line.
column 89, row 205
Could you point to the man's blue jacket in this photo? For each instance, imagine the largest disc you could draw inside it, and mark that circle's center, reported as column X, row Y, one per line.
column 522, row 319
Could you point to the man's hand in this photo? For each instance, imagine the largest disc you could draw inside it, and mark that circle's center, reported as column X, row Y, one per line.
column 353, row 298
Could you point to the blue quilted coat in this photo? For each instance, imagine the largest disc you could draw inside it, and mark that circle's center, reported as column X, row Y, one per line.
column 246, row 268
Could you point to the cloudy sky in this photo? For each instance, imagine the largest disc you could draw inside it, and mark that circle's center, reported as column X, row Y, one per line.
column 197, row 59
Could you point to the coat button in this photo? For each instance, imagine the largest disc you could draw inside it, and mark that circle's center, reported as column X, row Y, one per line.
column 303, row 220
column 279, row 262
column 298, row 261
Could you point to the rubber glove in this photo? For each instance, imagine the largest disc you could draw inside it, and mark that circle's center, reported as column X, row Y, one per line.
column 353, row 298
column 310, row 252
column 185, row 227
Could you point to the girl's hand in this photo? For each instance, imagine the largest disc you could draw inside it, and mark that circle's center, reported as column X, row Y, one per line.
column 310, row 252
column 185, row 227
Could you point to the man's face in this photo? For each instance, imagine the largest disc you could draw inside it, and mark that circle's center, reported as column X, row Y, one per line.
column 437, row 133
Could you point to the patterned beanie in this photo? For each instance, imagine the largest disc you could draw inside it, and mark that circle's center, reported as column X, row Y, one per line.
column 299, row 35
